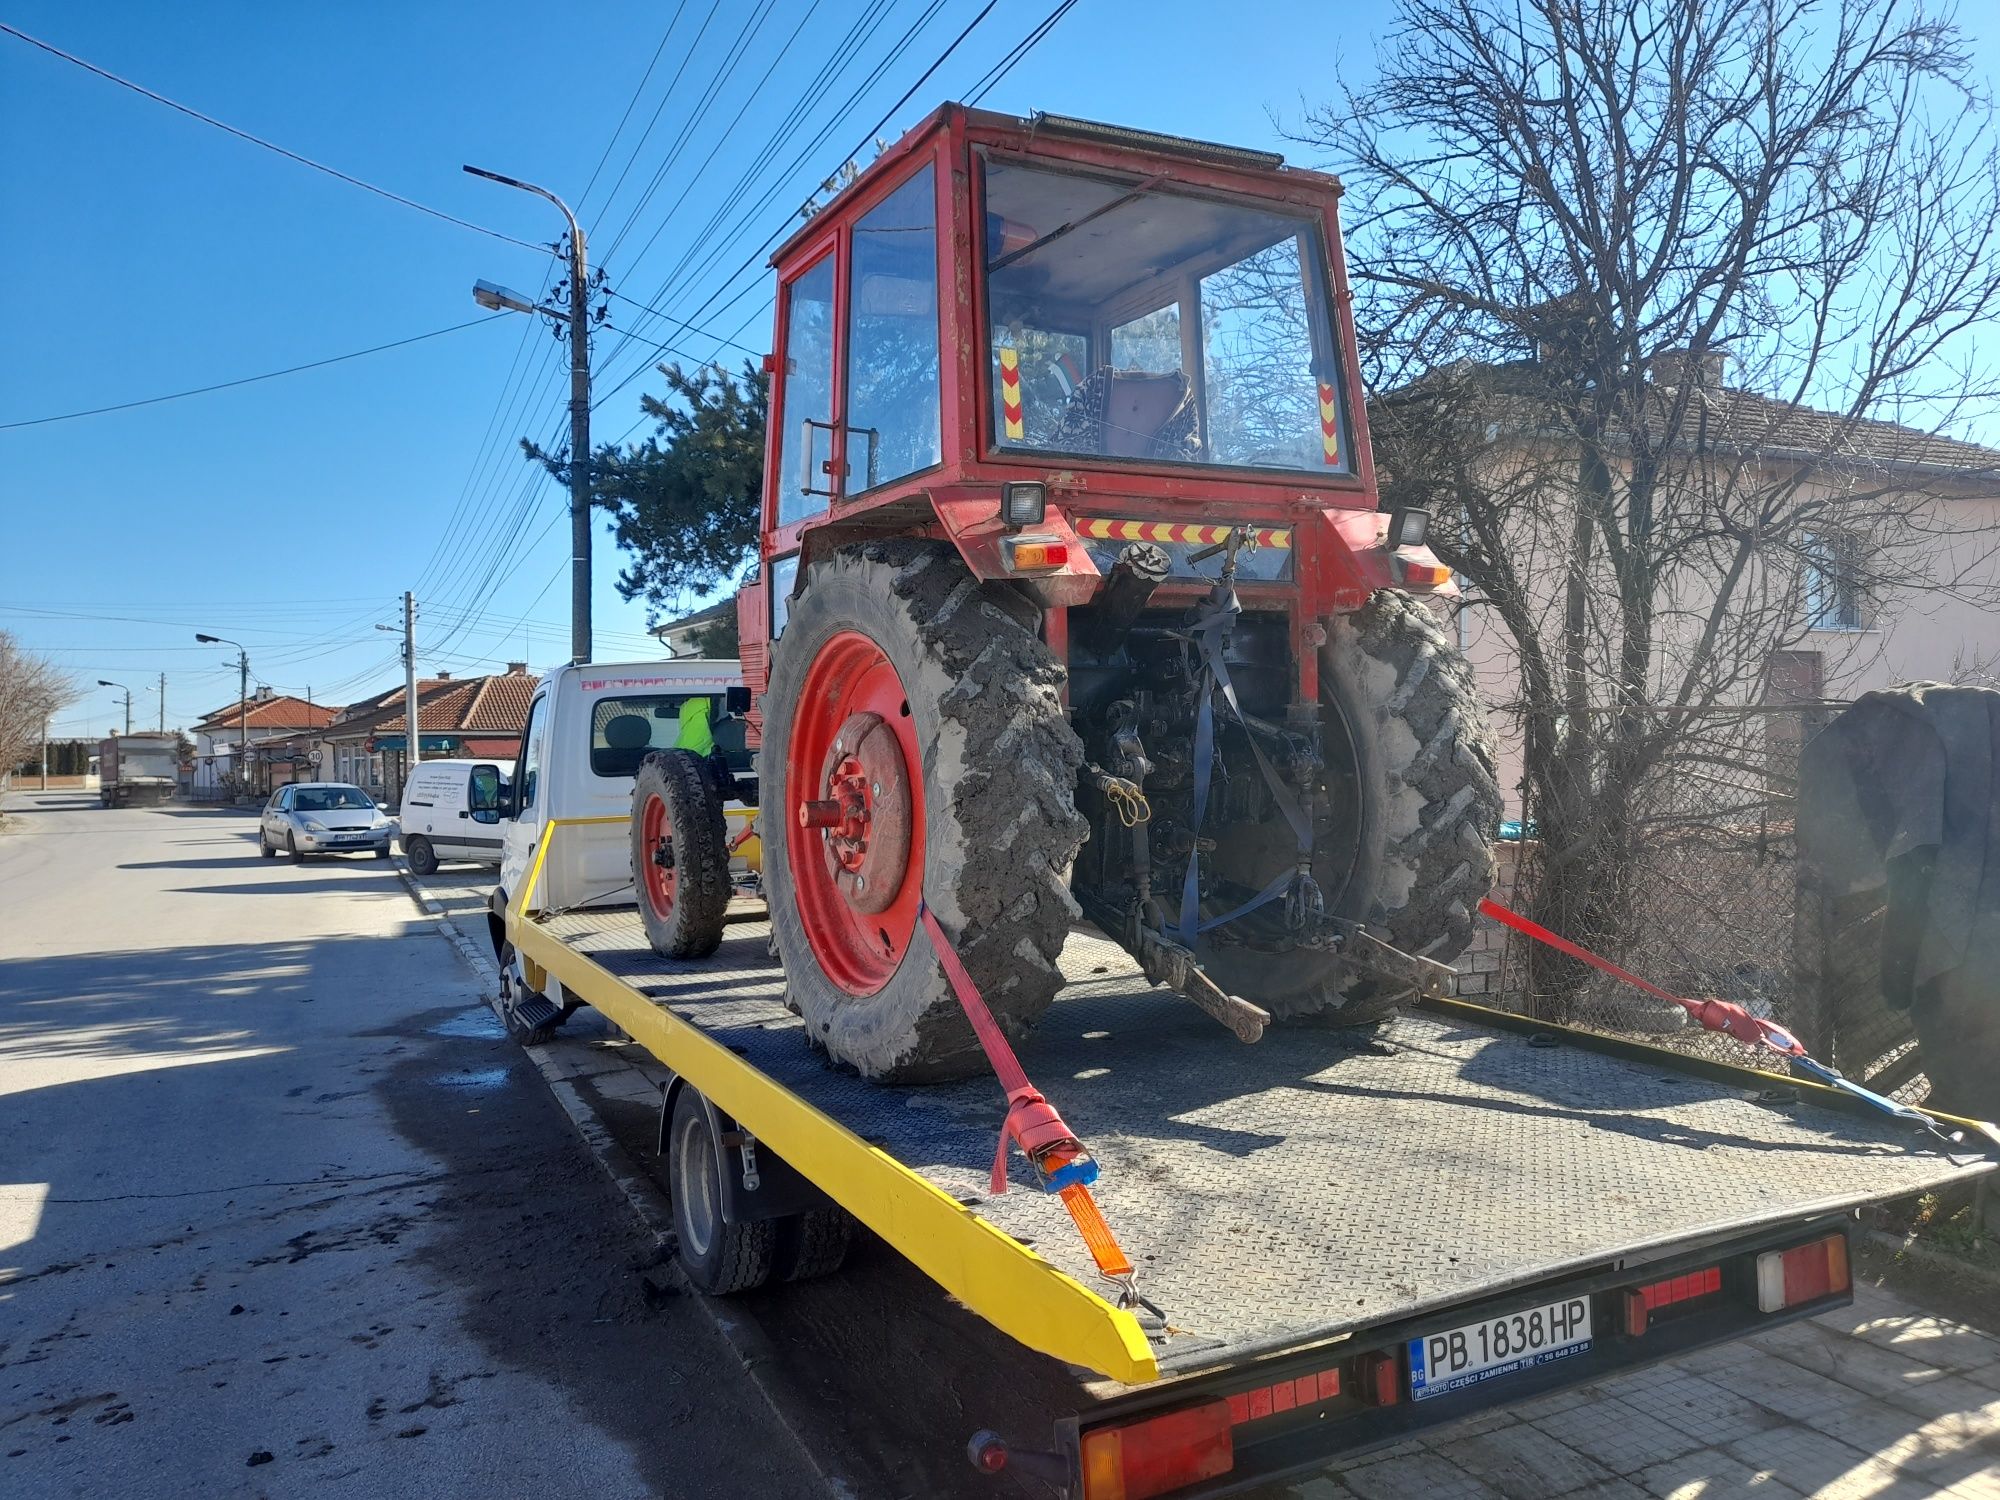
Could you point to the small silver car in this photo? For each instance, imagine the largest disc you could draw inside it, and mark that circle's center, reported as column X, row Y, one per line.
column 324, row 817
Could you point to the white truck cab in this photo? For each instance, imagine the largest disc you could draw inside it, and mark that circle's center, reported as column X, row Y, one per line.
column 588, row 729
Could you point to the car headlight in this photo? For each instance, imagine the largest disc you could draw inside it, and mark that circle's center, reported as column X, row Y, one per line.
column 313, row 825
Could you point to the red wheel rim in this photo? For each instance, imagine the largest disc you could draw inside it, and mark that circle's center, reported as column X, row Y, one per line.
column 657, row 879
column 857, row 949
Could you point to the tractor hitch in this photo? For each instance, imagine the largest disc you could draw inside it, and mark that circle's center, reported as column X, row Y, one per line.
column 1167, row 962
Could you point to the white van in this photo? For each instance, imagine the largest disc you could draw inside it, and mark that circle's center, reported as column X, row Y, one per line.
column 448, row 812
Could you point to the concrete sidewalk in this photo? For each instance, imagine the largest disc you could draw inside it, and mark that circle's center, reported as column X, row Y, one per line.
column 1879, row 1401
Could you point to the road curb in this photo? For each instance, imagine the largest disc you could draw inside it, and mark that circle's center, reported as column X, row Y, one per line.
column 642, row 1194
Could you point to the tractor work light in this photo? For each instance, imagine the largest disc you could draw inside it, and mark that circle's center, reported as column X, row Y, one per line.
column 1023, row 502
column 1409, row 526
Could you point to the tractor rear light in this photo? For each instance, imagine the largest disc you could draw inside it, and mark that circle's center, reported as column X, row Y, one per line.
column 1023, row 502
column 1030, row 554
column 1157, row 1455
column 1422, row 575
column 1788, row 1278
column 1640, row 1302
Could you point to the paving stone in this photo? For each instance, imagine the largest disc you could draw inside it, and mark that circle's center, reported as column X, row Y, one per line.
column 1428, row 1474
column 1618, row 1435
column 1560, row 1401
column 1983, row 1486
column 1786, row 1388
column 1711, row 1475
column 1320, row 1488
column 1695, row 1405
column 1848, row 1360
column 1808, row 1461
column 1610, row 1489
column 1952, row 1396
column 1525, row 1463
column 1935, row 1341
column 1913, row 1443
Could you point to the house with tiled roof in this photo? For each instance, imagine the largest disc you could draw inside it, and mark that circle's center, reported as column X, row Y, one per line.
column 259, row 721
column 479, row 717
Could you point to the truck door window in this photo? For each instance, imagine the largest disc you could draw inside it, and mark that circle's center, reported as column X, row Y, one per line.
column 531, row 754
column 805, row 396
column 892, row 339
column 624, row 730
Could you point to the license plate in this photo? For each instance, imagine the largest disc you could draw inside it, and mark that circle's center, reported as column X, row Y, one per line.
column 1455, row 1358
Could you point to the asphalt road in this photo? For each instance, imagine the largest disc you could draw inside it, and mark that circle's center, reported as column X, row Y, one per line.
column 282, row 1211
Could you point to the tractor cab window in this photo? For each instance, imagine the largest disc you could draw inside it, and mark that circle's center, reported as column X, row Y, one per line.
column 893, row 426
column 805, row 396
column 1130, row 320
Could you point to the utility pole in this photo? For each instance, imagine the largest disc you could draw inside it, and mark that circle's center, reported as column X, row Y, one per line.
column 579, row 406
column 163, row 703
column 413, row 742
column 242, row 704
column 45, row 752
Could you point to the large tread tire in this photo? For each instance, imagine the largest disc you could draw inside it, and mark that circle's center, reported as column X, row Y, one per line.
column 812, row 1244
column 691, row 925
column 1000, row 763
column 1406, row 735
column 720, row 1259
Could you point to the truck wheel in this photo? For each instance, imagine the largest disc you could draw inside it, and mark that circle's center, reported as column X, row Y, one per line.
column 1415, row 806
column 292, row 848
column 915, row 748
column 719, row 1258
column 422, row 857
column 680, row 855
column 812, row 1244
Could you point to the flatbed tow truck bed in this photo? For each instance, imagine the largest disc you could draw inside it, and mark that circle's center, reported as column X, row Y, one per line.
column 1318, row 1189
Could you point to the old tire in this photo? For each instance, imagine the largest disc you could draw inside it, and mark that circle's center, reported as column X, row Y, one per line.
column 1416, row 807
column 683, row 900
column 422, row 857
column 720, row 1259
column 812, row 1244
column 942, row 680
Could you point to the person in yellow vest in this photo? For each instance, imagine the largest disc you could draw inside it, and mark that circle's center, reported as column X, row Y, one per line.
column 695, row 733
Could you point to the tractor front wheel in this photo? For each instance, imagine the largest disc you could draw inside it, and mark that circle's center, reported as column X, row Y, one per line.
column 915, row 750
column 680, row 855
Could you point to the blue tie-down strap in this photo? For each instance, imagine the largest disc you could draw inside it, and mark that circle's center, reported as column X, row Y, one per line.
column 1080, row 1170
column 1833, row 1079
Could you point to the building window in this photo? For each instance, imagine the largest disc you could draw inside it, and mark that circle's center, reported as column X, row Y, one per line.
column 1834, row 596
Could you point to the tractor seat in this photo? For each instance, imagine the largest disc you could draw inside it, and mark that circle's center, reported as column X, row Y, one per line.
column 627, row 738
column 1131, row 414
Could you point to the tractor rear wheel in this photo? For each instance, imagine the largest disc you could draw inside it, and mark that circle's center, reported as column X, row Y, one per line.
column 915, row 749
column 1414, row 807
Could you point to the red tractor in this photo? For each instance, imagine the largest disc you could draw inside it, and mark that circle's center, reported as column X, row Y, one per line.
column 1075, row 600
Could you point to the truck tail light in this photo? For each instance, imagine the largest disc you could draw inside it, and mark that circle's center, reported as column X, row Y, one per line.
column 1787, row 1278
column 1379, row 1379
column 1640, row 1301
column 1157, row 1455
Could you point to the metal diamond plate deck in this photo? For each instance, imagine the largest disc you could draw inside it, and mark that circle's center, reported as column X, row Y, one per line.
column 1282, row 1192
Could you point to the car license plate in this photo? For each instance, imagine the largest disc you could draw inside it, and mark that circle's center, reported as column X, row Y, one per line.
column 1455, row 1358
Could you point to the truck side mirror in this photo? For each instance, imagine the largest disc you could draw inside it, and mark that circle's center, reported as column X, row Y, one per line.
column 485, row 796
column 736, row 700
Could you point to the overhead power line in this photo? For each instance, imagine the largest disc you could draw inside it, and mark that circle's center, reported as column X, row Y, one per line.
column 257, row 140
column 224, row 385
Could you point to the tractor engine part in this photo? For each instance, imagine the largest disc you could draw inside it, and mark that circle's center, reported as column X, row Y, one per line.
column 1141, row 568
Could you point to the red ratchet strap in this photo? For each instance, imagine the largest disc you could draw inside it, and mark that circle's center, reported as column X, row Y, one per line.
column 1714, row 1015
column 1031, row 1120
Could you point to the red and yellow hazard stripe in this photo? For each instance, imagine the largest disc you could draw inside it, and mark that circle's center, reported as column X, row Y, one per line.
column 1329, row 424
column 1103, row 529
column 1010, row 391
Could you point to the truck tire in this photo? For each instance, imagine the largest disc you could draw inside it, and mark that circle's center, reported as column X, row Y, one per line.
column 812, row 1244
column 721, row 1259
column 683, row 900
column 1410, row 769
column 925, row 699
column 422, row 857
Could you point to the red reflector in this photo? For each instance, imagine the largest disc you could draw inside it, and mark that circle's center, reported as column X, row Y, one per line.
column 1786, row 1278
column 1286, row 1395
column 1040, row 554
column 1378, row 1379
column 1157, row 1454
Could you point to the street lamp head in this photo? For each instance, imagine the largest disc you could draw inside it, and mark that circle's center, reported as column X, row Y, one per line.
column 208, row 640
column 101, row 682
column 500, row 298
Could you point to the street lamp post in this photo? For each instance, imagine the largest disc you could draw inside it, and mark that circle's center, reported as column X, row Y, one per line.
column 242, row 702
column 500, row 299
column 128, row 701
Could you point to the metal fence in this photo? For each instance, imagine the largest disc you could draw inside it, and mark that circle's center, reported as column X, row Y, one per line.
column 1715, row 907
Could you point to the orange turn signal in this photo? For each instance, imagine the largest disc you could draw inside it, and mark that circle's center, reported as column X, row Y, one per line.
column 1423, row 575
column 1033, row 553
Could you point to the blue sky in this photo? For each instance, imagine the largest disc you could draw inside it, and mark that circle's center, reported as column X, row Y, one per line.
column 147, row 253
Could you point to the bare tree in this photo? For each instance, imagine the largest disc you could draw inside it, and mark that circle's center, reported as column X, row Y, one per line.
column 1569, row 219
column 32, row 690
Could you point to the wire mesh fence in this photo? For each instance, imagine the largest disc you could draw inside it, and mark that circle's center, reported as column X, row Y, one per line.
column 1710, row 902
